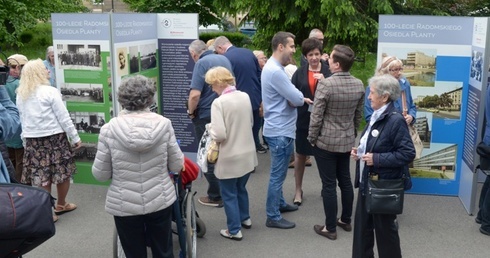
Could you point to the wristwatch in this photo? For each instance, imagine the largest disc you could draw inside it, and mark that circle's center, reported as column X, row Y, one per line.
column 189, row 114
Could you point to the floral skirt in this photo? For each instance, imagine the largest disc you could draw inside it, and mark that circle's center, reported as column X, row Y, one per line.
column 48, row 160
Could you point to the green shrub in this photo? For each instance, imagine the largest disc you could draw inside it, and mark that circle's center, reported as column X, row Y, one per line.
column 26, row 37
column 35, row 41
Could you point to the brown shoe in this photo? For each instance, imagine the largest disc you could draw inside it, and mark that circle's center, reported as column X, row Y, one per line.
column 319, row 230
column 208, row 202
column 308, row 161
column 344, row 226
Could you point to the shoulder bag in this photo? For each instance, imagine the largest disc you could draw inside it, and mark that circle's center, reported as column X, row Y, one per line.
column 384, row 196
column 26, row 218
column 202, row 151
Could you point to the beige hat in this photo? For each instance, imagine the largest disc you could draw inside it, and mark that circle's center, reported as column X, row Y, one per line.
column 17, row 59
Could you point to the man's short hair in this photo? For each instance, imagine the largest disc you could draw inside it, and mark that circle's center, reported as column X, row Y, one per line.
column 221, row 40
column 344, row 55
column 281, row 38
column 198, row 46
column 313, row 33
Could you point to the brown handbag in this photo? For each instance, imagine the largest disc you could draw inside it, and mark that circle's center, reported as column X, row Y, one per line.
column 417, row 143
column 213, row 152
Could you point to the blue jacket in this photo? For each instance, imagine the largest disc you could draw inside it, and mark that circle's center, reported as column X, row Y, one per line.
column 247, row 73
column 206, row 61
column 486, row 137
column 404, row 86
column 9, row 126
column 392, row 152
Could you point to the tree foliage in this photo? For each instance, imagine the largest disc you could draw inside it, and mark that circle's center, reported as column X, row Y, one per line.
column 350, row 22
column 451, row 8
column 208, row 13
column 20, row 15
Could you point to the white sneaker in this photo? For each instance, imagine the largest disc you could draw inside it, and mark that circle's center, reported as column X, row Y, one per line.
column 247, row 223
column 224, row 233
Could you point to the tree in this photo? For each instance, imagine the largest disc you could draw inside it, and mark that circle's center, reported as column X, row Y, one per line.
column 208, row 13
column 18, row 16
column 445, row 100
column 452, row 7
column 350, row 22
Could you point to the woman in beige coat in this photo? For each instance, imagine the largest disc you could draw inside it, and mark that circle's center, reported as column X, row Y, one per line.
column 231, row 126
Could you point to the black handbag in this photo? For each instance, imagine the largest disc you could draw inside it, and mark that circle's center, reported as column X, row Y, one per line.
column 384, row 196
column 26, row 218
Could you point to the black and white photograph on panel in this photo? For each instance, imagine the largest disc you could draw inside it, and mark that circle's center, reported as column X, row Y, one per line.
column 79, row 57
column 82, row 92
column 88, row 122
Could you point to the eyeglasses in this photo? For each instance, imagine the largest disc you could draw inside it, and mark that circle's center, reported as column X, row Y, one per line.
column 396, row 70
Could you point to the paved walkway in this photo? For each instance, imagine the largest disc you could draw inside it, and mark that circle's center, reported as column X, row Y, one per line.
column 431, row 226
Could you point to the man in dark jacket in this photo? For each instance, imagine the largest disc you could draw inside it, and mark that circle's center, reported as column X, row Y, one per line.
column 201, row 96
column 247, row 73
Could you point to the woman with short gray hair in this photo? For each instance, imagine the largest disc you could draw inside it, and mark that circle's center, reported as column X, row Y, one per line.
column 385, row 150
column 385, row 85
column 136, row 93
column 137, row 149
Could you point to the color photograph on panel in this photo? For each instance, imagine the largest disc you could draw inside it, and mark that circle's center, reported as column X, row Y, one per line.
column 436, row 55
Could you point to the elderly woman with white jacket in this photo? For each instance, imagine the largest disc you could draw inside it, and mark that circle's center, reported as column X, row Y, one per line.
column 137, row 150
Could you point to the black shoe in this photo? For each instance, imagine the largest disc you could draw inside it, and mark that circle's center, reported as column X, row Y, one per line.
column 483, row 231
column 478, row 220
column 261, row 149
column 288, row 208
column 282, row 223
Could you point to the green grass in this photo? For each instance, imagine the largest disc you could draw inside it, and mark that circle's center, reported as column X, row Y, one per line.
column 426, row 174
column 364, row 70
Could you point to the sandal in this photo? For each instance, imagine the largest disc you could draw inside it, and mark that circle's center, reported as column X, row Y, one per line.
column 55, row 218
column 60, row 209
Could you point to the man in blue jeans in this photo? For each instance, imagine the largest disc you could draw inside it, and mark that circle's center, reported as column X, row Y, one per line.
column 201, row 97
column 280, row 99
